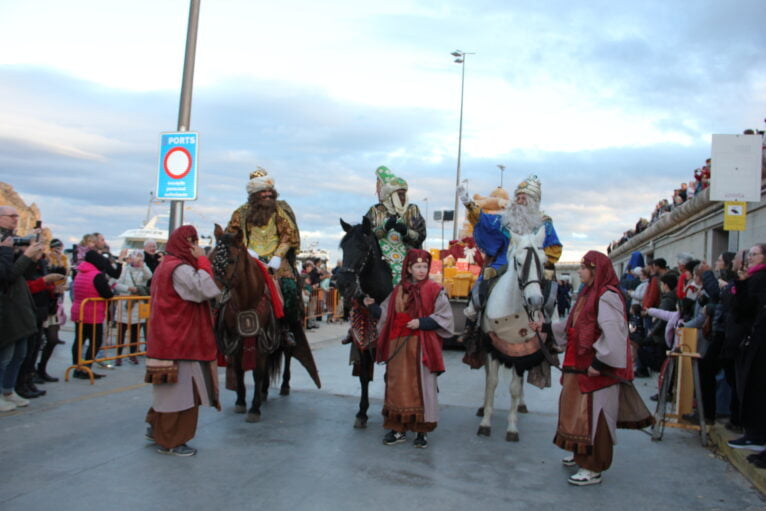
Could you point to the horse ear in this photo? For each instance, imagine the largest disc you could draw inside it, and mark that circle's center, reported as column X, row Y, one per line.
column 366, row 225
column 217, row 232
column 238, row 236
column 346, row 227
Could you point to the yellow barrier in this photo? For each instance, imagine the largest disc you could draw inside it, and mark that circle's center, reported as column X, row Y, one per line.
column 118, row 311
column 323, row 303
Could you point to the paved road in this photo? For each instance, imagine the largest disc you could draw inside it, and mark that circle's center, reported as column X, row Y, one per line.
column 82, row 447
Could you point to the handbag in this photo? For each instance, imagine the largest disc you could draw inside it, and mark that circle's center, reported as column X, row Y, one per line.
column 142, row 290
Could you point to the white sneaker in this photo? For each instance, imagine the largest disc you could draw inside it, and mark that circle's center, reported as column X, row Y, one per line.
column 568, row 461
column 16, row 399
column 7, row 406
column 585, row 477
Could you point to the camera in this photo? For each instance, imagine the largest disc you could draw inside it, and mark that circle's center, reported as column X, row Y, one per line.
column 23, row 241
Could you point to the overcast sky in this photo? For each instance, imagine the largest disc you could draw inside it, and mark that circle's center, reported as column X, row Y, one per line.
column 611, row 104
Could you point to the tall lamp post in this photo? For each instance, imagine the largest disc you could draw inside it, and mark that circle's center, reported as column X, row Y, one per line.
column 425, row 199
column 502, row 170
column 459, row 59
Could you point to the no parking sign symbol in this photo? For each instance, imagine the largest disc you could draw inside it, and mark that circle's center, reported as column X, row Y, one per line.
column 177, row 173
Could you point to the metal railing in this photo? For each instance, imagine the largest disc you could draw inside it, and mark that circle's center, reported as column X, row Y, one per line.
column 130, row 311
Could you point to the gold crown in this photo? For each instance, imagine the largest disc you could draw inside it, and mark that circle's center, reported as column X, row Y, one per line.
column 259, row 172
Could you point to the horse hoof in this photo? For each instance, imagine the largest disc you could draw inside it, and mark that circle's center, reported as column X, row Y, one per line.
column 484, row 431
column 511, row 436
column 480, row 412
column 522, row 409
column 360, row 423
column 284, row 391
column 253, row 417
column 240, row 408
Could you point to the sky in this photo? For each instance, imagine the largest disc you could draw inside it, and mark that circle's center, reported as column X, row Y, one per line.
column 611, row 104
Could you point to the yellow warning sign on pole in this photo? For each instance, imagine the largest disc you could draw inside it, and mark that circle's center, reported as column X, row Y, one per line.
column 734, row 216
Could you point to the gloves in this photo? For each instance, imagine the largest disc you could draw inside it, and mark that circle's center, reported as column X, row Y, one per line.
column 462, row 191
column 401, row 229
column 275, row 262
column 252, row 253
column 390, row 223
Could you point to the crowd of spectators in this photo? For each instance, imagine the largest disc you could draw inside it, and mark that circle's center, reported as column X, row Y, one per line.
column 726, row 303
column 685, row 192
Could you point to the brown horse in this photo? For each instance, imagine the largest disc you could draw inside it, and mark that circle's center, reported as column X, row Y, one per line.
column 246, row 329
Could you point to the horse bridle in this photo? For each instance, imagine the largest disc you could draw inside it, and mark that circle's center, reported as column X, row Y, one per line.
column 357, row 271
column 228, row 284
column 523, row 275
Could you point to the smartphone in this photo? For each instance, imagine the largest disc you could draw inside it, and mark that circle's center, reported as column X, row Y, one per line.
column 38, row 227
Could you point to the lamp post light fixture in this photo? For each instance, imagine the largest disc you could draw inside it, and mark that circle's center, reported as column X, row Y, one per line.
column 459, row 59
column 425, row 199
column 502, row 169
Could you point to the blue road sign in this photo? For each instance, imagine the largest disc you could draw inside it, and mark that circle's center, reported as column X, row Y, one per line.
column 177, row 175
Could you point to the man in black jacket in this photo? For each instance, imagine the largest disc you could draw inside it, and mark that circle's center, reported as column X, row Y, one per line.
column 17, row 310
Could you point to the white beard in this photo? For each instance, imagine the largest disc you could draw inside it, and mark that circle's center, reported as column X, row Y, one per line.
column 523, row 219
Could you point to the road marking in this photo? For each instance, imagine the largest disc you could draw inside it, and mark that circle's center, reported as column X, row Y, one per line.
column 25, row 410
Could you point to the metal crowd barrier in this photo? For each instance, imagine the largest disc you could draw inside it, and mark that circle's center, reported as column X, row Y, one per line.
column 324, row 303
column 113, row 340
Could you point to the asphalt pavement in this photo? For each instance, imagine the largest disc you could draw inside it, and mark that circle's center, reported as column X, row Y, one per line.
column 82, row 447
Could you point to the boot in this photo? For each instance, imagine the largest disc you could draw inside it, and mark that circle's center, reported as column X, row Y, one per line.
column 31, row 385
column 51, row 338
column 45, row 376
column 24, row 390
column 288, row 339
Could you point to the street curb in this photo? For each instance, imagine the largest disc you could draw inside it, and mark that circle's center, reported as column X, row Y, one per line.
column 738, row 457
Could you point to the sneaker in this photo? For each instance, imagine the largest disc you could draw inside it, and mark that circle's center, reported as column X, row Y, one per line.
column 394, row 437
column 149, row 435
column 421, row 441
column 744, row 442
column 585, row 477
column 7, row 406
column 181, row 450
column 16, row 399
column 568, row 461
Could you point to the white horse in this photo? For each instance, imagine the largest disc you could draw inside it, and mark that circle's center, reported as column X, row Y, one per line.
column 516, row 299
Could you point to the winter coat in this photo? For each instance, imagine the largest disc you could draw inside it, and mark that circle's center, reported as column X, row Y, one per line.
column 17, row 309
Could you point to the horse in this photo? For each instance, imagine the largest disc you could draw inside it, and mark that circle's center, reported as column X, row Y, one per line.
column 246, row 327
column 364, row 272
column 514, row 301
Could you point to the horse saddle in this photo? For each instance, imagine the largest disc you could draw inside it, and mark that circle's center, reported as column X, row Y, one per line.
column 247, row 323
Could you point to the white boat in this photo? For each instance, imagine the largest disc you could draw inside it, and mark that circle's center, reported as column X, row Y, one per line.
column 135, row 238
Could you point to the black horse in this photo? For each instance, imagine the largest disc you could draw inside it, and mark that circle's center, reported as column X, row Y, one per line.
column 364, row 273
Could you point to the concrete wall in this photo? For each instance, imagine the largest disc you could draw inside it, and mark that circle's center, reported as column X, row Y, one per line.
column 696, row 227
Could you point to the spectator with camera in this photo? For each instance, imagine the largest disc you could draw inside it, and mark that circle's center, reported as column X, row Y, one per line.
column 17, row 310
column 57, row 263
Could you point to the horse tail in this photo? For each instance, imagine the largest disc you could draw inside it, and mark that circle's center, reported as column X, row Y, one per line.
column 274, row 366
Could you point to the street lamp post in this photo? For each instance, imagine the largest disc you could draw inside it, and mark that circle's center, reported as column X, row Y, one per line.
column 425, row 199
column 459, row 59
column 502, row 169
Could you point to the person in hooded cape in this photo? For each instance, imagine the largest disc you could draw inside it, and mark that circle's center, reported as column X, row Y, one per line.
column 412, row 319
column 180, row 348
column 597, row 359
column 397, row 224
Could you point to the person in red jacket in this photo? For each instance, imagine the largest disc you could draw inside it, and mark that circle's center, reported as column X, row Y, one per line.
column 181, row 347
column 597, row 358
